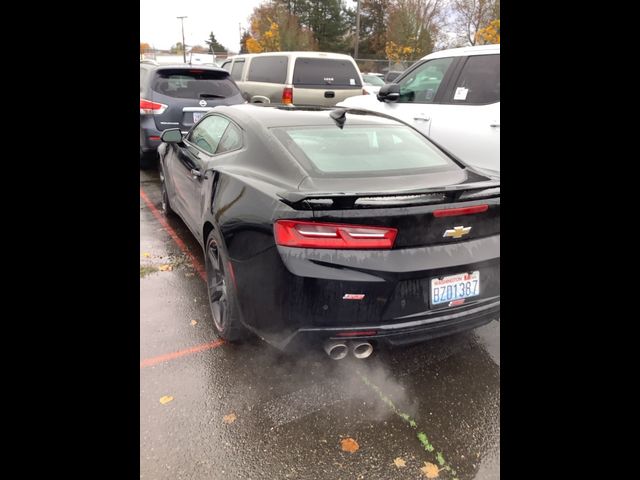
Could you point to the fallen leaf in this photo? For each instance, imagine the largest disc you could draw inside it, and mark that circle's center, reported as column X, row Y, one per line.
column 349, row 445
column 165, row 268
column 193, row 322
column 146, row 254
column 430, row 470
column 399, row 462
column 229, row 418
column 166, row 399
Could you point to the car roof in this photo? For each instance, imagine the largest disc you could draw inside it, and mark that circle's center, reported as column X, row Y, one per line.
column 271, row 116
column 185, row 66
column 295, row 54
column 464, row 51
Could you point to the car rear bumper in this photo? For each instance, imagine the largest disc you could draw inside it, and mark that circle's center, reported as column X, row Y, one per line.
column 397, row 335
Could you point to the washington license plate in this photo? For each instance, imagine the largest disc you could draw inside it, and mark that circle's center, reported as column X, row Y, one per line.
column 455, row 288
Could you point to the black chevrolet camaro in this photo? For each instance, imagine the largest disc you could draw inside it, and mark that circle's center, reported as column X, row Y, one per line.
column 342, row 227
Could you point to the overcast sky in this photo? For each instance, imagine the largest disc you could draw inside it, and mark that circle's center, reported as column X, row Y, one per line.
column 160, row 28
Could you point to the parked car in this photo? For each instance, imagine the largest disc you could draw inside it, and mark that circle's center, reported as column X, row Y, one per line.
column 299, row 78
column 178, row 96
column 453, row 97
column 372, row 83
column 336, row 226
column 391, row 75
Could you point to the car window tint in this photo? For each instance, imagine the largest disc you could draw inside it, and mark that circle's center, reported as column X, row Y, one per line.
column 479, row 81
column 231, row 140
column 362, row 149
column 268, row 69
column 325, row 73
column 207, row 134
column 421, row 85
column 194, row 83
column 236, row 71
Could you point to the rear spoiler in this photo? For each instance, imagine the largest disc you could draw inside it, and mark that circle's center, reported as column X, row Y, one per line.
column 452, row 193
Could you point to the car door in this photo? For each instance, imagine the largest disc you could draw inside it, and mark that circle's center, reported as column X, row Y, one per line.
column 467, row 121
column 420, row 89
column 191, row 162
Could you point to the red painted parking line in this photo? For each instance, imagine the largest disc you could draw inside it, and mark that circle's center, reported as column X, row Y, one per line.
column 181, row 353
column 198, row 266
column 156, row 213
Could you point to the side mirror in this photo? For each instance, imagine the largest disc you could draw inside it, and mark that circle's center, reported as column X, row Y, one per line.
column 171, row 135
column 389, row 92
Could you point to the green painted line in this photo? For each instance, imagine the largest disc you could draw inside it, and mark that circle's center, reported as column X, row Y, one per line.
column 422, row 437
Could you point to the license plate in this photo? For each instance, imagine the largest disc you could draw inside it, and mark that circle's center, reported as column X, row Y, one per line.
column 454, row 289
column 197, row 116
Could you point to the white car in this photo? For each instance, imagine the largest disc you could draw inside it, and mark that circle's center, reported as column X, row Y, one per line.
column 371, row 83
column 453, row 97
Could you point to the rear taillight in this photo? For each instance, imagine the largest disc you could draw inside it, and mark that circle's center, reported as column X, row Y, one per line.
column 147, row 106
column 454, row 212
column 293, row 233
column 287, row 95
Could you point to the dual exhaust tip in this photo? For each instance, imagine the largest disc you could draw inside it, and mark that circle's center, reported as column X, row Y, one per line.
column 337, row 349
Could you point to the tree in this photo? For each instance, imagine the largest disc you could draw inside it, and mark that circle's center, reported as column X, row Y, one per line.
column 489, row 34
column 144, row 47
column 214, row 45
column 177, row 49
column 243, row 42
column 474, row 15
column 374, row 15
column 274, row 28
column 413, row 27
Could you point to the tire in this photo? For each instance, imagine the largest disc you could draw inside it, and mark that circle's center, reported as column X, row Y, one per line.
column 221, row 292
column 148, row 159
column 165, row 205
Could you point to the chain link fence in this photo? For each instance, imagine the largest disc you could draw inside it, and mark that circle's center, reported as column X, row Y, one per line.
column 368, row 65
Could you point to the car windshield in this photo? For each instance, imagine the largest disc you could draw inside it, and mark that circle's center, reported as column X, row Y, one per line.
column 369, row 149
column 373, row 80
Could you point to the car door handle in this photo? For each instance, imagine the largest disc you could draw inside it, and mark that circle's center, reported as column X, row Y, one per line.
column 421, row 119
column 196, row 173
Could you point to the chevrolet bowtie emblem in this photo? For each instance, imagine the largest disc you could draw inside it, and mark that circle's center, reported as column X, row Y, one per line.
column 456, row 232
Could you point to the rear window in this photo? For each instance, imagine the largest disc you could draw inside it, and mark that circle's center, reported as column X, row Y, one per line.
column 268, row 69
column 325, row 73
column 362, row 149
column 194, row 83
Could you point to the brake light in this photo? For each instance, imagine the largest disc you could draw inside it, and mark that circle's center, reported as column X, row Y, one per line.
column 293, row 233
column 147, row 106
column 287, row 95
column 453, row 212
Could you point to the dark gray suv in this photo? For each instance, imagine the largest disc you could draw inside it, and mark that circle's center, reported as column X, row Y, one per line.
column 177, row 96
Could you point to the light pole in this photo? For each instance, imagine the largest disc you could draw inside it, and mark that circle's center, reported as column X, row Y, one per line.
column 184, row 48
column 355, row 53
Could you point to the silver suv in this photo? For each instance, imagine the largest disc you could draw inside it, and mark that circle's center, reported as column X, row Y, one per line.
column 300, row 78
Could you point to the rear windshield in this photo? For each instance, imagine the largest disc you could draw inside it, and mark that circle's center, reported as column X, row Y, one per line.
column 325, row 73
column 363, row 149
column 182, row 83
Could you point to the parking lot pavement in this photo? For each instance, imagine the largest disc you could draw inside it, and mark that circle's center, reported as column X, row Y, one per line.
column 212, row 410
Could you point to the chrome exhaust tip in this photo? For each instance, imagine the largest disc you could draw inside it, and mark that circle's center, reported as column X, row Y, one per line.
column 361, row 349
column 336, row 349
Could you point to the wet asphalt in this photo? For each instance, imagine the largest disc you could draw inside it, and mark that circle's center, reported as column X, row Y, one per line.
column 249, row 412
